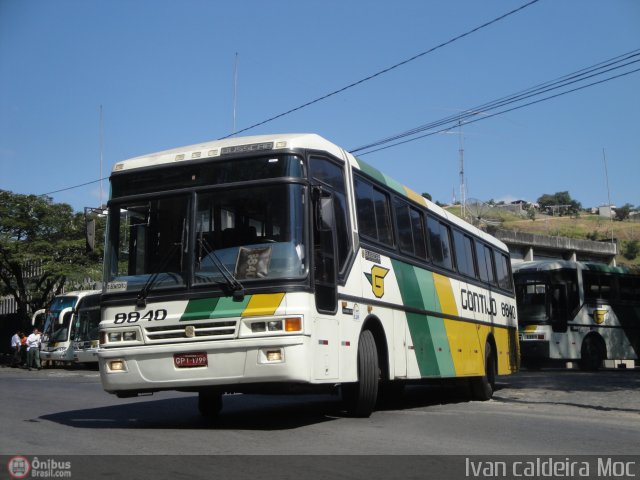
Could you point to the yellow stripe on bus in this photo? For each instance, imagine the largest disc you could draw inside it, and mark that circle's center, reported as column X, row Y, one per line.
column 466, row 353
column 263, row 304
column 419, row 199
column 445, row 295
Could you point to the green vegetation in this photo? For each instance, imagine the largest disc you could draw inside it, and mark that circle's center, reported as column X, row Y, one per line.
column 42, row 250
column 586, row 226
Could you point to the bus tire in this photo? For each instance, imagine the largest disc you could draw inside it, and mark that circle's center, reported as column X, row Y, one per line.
column 360, row 398
column 209, row 403
column 482, row 388
column 591, row 354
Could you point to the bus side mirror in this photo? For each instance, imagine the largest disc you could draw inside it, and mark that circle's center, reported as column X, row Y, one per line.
column 37, row 318
column 90, row 234
column 558, row 313
column 324, row 254
column 324, row 209
column 63, row 314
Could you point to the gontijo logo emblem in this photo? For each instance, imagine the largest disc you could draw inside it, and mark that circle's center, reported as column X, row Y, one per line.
column 376, row 279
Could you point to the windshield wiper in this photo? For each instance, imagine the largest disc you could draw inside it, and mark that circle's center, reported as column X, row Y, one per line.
column 141, row 300
column 237, row 289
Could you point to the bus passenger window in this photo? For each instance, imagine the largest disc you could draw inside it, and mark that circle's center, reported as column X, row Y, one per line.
column 439, row 243
column 485, row 263
column 464, row 253
column 503, row 271
column 374, row 212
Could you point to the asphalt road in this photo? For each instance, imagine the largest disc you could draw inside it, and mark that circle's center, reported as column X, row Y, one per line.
column 555, row 412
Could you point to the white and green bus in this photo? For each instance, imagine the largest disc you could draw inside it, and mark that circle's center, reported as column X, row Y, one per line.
column 577, row 312
column 283, row 263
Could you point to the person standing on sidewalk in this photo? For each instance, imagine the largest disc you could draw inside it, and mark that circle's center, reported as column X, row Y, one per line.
column 15, row 347
column 33, row 350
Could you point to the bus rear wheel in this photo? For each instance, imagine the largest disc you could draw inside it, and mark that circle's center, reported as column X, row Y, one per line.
column 592, row 354
column 482, row 388
column 360, row 398
column 209, row 403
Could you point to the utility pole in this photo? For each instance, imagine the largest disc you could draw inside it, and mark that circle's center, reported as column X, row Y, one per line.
column 235, row 91
column 462, row 186
column 606, row 176
column 101, row 152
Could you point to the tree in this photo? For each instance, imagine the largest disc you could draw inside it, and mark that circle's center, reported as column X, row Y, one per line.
column 623, row 212
column 559, row 203
column 42, row 248
column 631, row 250
column 427, row 196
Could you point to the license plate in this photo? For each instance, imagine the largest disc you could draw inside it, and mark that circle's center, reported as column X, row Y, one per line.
column 187, row 360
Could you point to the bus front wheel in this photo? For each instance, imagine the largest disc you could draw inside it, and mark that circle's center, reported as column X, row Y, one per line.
column 360, row 398
column 482, row 388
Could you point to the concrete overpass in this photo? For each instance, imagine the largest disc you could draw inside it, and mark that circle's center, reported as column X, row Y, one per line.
column 526, row 247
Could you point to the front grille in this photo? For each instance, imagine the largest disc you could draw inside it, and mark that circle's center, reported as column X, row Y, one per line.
column 220, row 330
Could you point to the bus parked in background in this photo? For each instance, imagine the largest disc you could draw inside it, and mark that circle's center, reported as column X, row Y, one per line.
column 85, row 331
column 573, row 311
column 57, row 345
column 276, row 263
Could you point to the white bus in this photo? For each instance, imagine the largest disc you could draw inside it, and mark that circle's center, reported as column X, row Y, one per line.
column 85, row 331
column 57, row 347
column 573, row 311
column 280, row 262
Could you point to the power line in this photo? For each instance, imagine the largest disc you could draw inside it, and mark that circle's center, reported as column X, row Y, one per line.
column 562, row 82
column 503, row 111
column 388, row 69
column 354, row 84
column 552, row 85
column 71, row 188
column 529, row 92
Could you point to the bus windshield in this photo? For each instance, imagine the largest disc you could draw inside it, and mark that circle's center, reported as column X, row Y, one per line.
column 547, row 296
column 52, row 330
column 86, row 326
column 254, row 237
column 207, row 237
column 531, row 300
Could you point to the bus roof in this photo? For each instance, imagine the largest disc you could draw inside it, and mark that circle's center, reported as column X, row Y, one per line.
column 79, row 293
column 218, row 148
column 548, row 265
column 289, row 141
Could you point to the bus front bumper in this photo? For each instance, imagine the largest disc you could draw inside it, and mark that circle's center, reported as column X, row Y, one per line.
column 155, row 367
column 534, row 349
column 57, row 355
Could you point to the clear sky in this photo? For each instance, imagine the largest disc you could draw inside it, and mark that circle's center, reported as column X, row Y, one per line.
column 163, row 72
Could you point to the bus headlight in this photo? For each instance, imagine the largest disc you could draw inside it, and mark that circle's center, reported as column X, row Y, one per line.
column 114, row 337
column 272, row 326
column 130, row 336
column 119, row 337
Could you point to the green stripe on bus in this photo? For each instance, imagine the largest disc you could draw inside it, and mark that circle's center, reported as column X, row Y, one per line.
column 395, row 185
column 228, row 307
column 221, row 307
column 437, row 329
column 428, row 334
column 199, row 309
column 371, row 171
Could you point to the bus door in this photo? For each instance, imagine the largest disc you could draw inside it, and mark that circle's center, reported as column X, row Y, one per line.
column 562, row 301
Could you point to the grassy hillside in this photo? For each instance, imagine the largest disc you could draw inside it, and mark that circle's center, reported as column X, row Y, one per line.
column 585, row 227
